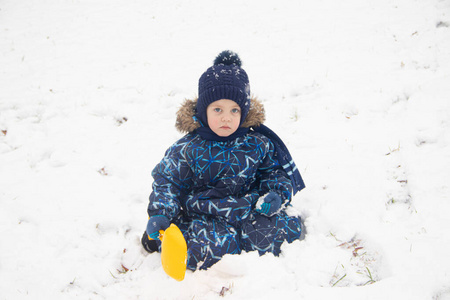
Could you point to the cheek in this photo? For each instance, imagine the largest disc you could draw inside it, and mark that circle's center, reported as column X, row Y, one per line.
column 208, row 117
column 212, row 121
column 237, row 120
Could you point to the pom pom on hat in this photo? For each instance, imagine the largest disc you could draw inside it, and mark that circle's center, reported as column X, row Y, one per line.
column 224, row 80
column 227, row 58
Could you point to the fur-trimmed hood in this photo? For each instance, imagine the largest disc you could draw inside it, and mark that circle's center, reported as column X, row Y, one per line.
column 185, row 116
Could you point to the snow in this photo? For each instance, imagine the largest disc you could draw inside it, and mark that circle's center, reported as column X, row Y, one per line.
column 358, row 90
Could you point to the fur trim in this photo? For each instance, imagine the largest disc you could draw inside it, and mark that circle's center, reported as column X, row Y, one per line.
column 256, row 114
column 185, row 116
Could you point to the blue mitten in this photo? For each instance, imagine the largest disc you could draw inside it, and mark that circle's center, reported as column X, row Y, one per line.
column 269, row 205
column 155, row 224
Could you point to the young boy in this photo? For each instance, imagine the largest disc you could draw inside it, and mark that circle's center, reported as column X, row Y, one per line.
column 227, row 182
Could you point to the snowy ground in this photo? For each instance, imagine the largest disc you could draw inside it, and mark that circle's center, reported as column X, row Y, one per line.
column 359, row 90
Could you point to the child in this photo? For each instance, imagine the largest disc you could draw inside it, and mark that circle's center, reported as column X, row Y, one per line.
column 226, row 183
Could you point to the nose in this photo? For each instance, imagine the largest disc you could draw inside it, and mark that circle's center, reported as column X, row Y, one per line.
column 226, row 117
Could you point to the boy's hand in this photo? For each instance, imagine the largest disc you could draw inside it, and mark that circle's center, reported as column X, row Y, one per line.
column 155, row 224
column 269, row 204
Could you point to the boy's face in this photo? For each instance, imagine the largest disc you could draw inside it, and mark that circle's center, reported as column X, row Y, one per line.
column 224, row 117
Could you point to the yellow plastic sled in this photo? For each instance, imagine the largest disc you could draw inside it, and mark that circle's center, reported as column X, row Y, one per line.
column 173, row 252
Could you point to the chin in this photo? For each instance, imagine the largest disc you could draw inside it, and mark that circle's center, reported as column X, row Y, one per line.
column 224, row 134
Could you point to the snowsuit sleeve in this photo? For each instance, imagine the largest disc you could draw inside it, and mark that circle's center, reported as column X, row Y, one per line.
column 272, row 177
column 172, row 179
column 232, row 209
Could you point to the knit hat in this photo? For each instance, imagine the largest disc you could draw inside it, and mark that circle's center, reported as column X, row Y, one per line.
column 224, row 80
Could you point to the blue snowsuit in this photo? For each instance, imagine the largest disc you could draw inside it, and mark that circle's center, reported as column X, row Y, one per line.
column 210, row 189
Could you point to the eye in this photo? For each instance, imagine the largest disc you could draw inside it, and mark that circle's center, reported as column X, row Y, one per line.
column 235, row 110
column 218, row 110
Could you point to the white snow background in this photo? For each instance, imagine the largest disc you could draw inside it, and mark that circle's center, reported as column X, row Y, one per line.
column 358, row 90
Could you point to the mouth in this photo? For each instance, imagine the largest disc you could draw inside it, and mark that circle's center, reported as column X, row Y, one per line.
column 225, row 127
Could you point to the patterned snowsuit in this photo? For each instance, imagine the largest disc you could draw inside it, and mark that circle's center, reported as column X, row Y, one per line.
column 210, row 189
